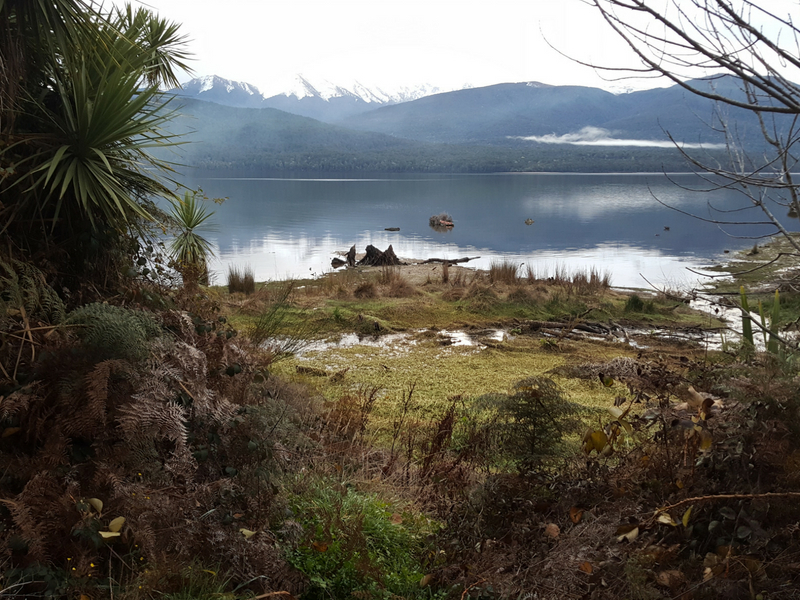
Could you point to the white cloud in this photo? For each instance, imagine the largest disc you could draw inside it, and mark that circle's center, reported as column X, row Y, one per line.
column 398, row 42
column 597, row 136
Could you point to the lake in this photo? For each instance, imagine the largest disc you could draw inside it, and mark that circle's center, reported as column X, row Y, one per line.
column 293, row 226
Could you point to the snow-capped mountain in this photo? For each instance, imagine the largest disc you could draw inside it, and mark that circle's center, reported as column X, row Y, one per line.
column 317, row 98
column 222, row 91
column 302, row 86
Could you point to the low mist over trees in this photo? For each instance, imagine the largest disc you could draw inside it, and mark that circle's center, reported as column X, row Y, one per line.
column 751, row 56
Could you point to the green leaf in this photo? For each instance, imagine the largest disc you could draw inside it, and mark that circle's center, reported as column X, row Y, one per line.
column 743, row 531
column 686, row 516
column 747, row 327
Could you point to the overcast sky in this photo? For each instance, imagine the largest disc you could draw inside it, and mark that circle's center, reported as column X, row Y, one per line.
column 398, row 42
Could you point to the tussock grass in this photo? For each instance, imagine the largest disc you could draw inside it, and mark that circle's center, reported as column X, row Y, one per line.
column 521, row 295
column 583, row 282
column 481, row 298
column 453, row 294
column 504, row 272
column 400, row 288
column 366, row 289
column 394, row 284
column 241, row 280
column 338, row 284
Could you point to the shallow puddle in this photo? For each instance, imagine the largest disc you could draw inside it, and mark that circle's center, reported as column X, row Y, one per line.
column 399, row 341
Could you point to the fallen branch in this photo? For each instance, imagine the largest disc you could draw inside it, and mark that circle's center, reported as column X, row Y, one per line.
column 450, row 261
column 271, row 594
column 700, row 499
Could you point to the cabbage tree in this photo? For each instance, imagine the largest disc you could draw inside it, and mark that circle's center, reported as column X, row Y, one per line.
column 190, row 250
column 78, row 120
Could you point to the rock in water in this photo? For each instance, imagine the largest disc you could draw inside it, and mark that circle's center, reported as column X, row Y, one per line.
column 351, row 256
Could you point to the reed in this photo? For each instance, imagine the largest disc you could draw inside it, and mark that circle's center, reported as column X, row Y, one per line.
column 580, row 283
column 241, row 280
column 503, row 271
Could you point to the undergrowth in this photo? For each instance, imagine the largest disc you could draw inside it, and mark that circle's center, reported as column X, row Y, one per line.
column 158, row 453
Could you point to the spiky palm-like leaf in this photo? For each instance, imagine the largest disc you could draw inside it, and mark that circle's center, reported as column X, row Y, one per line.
column 189, row 247
column 32, row 32
column 77, row 154
column 160, row 46
column 97, row 158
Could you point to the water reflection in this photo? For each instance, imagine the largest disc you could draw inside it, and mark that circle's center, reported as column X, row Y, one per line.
column 291, row 227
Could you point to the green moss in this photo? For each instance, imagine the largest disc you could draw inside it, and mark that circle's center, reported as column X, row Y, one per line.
column 438, row 373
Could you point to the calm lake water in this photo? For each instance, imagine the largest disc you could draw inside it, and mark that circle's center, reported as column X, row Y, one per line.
column 292, row 227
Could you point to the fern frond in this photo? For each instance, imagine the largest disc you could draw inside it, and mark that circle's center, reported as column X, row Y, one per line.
column 115, row 332
column 24, row 286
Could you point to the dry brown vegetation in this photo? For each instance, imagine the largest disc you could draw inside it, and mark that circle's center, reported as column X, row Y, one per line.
column 605, row 473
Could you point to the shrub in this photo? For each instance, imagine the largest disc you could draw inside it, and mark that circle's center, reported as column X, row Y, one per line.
column 113, row 331
column 355, row 545
column 532, row 420
column 241, row 280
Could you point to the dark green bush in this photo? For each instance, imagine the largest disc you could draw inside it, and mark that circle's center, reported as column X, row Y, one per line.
column 113, row 331
column 532, row 421
column 356, row 545
column 637, row 305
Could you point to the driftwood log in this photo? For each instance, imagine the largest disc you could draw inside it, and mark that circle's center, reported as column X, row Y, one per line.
column 376, row 258
column 450, row 261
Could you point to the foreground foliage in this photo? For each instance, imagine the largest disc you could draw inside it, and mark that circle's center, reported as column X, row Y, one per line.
column 154, row 453
column 80, row 111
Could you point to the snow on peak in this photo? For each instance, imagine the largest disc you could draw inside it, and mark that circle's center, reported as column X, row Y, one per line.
column 303, row 86
column 208, row 83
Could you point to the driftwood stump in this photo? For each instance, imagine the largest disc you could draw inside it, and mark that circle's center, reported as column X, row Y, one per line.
column 376, row 258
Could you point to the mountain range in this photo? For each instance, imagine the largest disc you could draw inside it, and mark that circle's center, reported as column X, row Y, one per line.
column 315, row 98
column 511, row 126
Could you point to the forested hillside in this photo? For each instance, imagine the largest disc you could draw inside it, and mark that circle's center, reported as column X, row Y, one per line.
column 269, row 139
